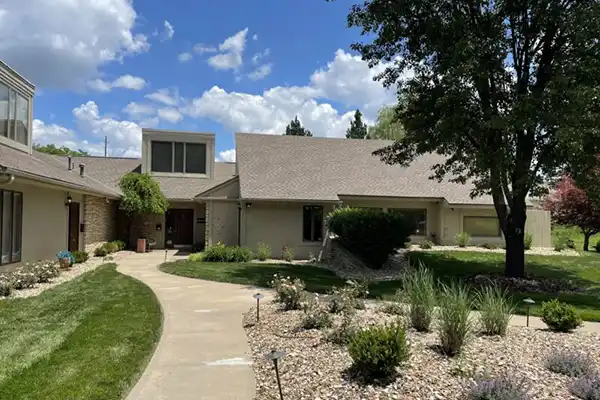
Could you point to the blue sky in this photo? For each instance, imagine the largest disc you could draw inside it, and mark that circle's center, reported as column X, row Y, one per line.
column 111, row 67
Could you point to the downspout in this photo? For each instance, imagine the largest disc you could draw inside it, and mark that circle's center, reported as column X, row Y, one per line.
column 239, row 225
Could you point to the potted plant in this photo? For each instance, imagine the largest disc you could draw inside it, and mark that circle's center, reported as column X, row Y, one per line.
column 65, row 259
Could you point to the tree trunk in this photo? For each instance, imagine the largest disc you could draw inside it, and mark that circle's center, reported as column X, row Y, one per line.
column 514, row 234
column 586, row 241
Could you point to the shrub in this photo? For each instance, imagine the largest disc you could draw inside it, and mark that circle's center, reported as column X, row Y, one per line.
column 597, row 246
column 501, row 388
column 6, row 286
column 587, row 387
column 392, row 308
column 489, row 246
column 528, row 240
column 100, row 251
column 455, row 323
column 43, row 271
column 560, row 242
column 347, row 298
column 287, row 253
column 240, row 254
column 426, row 245
column 573, row 364
column 196, row 257
column 287, row 292
column 315, row 317
column 570, row 244
column 344, row 332
column 378, row 350
column 263, row 251
column 419, row 292
column 463, row 239
column 495, row 309
column 110, row 247
column 370, row 233
column 119, row 244
column 22, row 279
column 560, row 316
column 221, row 253
column 80, row 256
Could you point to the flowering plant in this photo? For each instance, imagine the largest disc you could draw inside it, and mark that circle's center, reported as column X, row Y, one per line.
column 288, row 292
column 65, row 254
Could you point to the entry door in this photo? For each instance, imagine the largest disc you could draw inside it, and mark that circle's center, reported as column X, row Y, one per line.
column 73, row 226
column 180, row 227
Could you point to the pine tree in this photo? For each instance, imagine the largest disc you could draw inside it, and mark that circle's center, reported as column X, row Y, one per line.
column 358, row 129
column 295, row 128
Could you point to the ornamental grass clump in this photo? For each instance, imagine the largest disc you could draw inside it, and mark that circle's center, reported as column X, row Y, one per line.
column 455, row 322
column 290, row 293
column 587, row 387
column 263, row 251
column 495, row 309
column 571, row 363
column 500, row 388
column 419, row 292
column 463, row 239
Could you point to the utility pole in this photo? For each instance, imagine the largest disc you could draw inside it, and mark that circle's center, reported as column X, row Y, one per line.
column 105, row 146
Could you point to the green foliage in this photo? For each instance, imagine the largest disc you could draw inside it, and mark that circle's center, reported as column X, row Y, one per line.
column 59, row 151
column 80, row 256
column 370, row 233
column 290, row 293
column 569, row 363
column 489, row 246
column 141, row 195
column 348, row 298
column 500, row 388
column 222, row 253
column 495, row 309
column 111, row 247
column 119, row 244
column 43, row 271
column 295, row 128
column 392, row 308
column 101, row 251
column 419, row 291
column 597, row 246
column 570, row 244
column 426, row 245
column 315, row 316
column 6, row 285
column 343, row 333
column 528, row 240
column 287, row 253
column 559, row 316
column 387, row 126
column 263, row 251
column 462, row 239
column 378, row 350
column 587, row 387
column 455, row 323
column 358, row 129
column 196, row 257
column 23, row 279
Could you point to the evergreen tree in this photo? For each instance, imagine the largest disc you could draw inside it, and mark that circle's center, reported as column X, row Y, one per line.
column 358, row 129
column 295, row 128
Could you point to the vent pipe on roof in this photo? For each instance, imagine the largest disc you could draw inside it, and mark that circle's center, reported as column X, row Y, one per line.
column 82, row 170
column 70, row 163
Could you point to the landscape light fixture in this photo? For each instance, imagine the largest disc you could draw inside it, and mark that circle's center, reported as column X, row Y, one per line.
column 529, row 301
column 258, row 296
column 274, row 356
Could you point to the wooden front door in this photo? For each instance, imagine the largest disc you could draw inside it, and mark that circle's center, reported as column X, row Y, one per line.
column 73, row 226
column 179, row 225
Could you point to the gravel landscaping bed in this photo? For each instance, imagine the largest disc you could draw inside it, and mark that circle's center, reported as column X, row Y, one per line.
column 68, row 274
column 316, row 369
column 541, row 251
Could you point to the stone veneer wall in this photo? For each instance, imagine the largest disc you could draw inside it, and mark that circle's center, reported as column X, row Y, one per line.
column 100, row 221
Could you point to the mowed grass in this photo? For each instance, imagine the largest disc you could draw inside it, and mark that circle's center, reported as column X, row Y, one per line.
column 574, row 233
column 89, row 338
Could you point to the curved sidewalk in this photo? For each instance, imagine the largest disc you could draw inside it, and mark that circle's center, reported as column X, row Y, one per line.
column 203, row 352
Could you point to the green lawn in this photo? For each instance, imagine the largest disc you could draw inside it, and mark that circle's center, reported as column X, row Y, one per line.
column 575, row 234
column 89, row 338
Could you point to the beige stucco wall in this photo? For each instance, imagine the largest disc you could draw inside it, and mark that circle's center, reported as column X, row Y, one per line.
column 100, row 221
column 199, row 225
column 223, row 225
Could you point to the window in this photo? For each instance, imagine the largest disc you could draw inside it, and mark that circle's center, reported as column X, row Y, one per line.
column 481, row 226
column 11, row 226
column 3, row 110
column 22, row 120
column 417, row 216
column 14, row 115
column 178, row 157
column 312, row 223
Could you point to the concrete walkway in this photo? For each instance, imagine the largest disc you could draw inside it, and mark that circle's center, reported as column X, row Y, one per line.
column 203, row 352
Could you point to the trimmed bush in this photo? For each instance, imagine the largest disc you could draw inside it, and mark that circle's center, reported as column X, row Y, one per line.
column 6, row 286
column 587, row 387
column 495, row 308
column 528, row 240
column 462, row 239
column 315, row 317
column 196, row 257
column 22, row 279
column 426, row 245
column 221, row 253
column 370, row 233
column 287, row 253
column 455, row 323
column 111, row 247
column 378, row 350
column 80, row 256
column 100, row 251
column 43, row 271
column 569, row 363
column 561, row 317
column 263, row 251
column 289, row 293
column 501, row 388
column 419, row 291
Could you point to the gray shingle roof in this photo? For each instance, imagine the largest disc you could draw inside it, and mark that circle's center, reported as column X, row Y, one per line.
column 304, row 168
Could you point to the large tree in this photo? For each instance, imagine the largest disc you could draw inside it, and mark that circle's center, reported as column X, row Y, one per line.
column 387, row 126
column 59, row 151
column 357, row 129
column 508, row 91
column 295, row 128
column 570, row 205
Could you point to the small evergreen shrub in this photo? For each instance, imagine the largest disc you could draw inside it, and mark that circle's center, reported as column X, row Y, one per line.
column 561, row 317
column 455, row 323
column 263, row 251
column 378, row 350
column 426, row 245
column 119, row 244
column 495, row 308
column 370, row 233
column 528, row 240
column 560, row 242
column 196, row 257
column 43, row 271
column 501, row 388
column 569, row 363
column 290, row 293
column 22, row 279
column 80, row 256
column 111, row 247
column 100, row 251
column 287, row 253
column 463, row 239
column 587, row 387
column 419, row 291
column 6, row 286
column 315, row 316
column 222, row 253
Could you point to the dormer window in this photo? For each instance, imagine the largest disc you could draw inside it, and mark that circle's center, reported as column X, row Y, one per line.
column 14, row 115
column 178, row 157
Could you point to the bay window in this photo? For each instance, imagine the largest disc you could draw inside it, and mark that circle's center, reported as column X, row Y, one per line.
column 11, row 226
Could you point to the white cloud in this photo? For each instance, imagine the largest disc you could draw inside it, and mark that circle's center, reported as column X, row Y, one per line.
column 258, row 56
column 165, row 96
column 125, row 82
column 231, row 52
column 261, row 72
column 169, row 31
column 138, row 111
column 185, row 57
column 255, row 37
column 46, row 134
column 226, row 155
column 66, row 42
column 200, row 48
column 170, row 114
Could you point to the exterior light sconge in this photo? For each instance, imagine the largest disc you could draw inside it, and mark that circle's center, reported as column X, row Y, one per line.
column 248, row 205
column 69, row 200
column 274, row 356
column 529, row 302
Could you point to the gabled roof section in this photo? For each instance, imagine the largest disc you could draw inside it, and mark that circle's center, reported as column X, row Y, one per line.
column 279, row 167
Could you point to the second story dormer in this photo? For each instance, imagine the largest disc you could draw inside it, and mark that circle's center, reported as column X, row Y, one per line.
column 175, row 153
column 16, row 109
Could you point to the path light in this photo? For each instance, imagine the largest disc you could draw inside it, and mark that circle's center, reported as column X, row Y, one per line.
column 166, row 251
column 529, row 301
column 275, row 355
column 258, row 296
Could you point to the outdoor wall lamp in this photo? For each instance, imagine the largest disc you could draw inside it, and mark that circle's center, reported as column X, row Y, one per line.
column 248, row 205
column 69, row 200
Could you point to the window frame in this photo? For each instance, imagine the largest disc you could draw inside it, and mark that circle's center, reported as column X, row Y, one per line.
column 403, row 211
column 482, row 217
column 312, row 234
column 12, row 108
column 184, row 161
column 12, row 259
